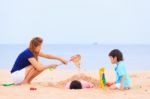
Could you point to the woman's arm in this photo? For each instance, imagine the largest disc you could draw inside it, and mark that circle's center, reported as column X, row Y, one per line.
column 40, row 67
column 49, row 56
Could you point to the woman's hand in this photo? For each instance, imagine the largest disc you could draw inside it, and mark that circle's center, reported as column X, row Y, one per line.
column 63, row 61
column 53, row 66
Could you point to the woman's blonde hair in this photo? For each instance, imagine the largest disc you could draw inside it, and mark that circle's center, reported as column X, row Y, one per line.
column 35, row 42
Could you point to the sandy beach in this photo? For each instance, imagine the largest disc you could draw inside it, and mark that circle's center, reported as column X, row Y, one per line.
column 140, row 87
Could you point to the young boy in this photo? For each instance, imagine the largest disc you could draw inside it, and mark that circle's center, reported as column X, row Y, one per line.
column 122, row 77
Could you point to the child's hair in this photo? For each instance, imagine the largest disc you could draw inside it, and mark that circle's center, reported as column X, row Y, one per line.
column 116, row 53
column 75, row 84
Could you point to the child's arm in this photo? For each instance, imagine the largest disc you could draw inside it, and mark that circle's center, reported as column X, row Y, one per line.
column 122, row 82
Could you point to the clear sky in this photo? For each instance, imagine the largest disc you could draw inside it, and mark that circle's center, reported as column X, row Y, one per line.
column 75, row 21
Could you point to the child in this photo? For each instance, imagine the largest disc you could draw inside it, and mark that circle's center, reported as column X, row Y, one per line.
column 78, row 81
column 122, row 77
column 78, row 84
column 27, row 66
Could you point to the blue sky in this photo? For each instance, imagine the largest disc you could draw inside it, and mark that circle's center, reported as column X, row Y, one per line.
column 75, row 21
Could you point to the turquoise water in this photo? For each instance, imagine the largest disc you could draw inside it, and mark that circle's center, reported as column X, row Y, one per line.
column 93, row 56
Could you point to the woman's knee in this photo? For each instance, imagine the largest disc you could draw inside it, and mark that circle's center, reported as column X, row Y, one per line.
column 29, row 69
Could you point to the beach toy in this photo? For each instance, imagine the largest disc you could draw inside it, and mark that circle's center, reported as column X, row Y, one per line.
column 32, row 88
column 102, row 77
column 11, row 84
column 50, row 69
column 108, row 84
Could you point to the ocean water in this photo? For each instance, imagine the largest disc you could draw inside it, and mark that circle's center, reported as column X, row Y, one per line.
column 136, row 57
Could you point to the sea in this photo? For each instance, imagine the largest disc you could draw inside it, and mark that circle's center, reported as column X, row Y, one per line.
column 93, row 56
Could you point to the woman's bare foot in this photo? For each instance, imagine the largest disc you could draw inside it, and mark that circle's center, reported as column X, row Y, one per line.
column 24, row 83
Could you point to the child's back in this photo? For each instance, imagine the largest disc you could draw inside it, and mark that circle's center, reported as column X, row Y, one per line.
column 120, row 71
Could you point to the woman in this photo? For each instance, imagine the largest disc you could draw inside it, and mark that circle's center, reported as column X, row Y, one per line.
column 27, row 66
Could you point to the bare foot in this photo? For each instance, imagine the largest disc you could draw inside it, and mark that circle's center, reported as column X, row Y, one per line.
column 25, row 83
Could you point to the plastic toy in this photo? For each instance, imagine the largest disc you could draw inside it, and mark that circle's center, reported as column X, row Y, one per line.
column 102, row 77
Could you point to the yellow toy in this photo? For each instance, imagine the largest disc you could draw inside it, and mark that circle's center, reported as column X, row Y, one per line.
column 102, row 77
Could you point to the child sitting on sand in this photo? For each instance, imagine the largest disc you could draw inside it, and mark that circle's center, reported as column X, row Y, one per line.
column 122, row 77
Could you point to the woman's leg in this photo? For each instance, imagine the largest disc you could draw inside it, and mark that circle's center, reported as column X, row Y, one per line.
column 30, row 74
column 36, row 73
